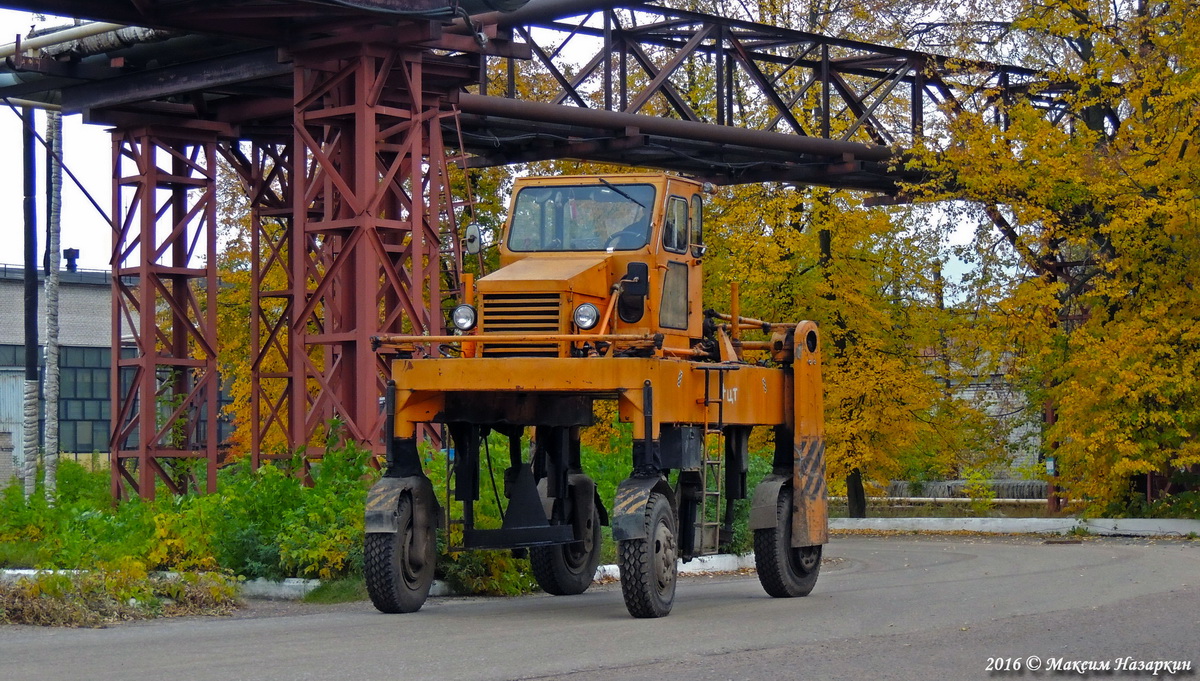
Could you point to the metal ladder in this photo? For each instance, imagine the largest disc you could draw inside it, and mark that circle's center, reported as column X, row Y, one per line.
column 712, row 466
column 708, row 524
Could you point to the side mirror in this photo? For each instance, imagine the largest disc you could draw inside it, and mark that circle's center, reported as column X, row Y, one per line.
column 698, row 250
column 472, row 239
column 632, row 303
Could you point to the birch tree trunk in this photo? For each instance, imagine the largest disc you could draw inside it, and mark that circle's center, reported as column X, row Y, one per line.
column 53, row 227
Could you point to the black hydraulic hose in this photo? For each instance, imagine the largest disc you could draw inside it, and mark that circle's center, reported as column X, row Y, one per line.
column 487, row 452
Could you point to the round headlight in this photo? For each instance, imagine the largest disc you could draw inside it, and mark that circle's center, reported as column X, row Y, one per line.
column 463, row 317
column 586, row 316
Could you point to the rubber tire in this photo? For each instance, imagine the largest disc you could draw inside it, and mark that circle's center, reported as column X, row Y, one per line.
column 649, row 566
column 568, row 569
column 784, row 571
column 393, row 584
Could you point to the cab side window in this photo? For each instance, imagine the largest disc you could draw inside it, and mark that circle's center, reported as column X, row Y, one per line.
column 697, row 221
column 675, row 225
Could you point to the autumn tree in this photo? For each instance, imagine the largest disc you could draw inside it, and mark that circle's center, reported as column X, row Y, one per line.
column 870, row 279
column 1095, row 202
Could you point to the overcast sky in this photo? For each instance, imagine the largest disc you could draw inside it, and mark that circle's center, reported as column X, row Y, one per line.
column 87, row 153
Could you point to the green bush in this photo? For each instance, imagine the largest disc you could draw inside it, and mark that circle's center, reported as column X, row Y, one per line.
column 269, row 523
column 250, row 517
column 262, row 523
column 322, row 535
column 980, row 491
column 118, row 591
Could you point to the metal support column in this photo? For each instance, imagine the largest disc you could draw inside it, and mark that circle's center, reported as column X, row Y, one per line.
column 165, row 310
column 372, row 211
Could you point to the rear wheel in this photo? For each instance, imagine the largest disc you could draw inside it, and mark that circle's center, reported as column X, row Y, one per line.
column 648, row 565
column 399, row 572
column 785, row 571
column 568, row 569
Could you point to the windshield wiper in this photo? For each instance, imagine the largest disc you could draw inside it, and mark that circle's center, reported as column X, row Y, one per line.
column 620, row 191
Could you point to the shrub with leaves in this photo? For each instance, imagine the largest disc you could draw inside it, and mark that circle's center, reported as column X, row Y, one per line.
column 980, row 492
column 322, row 536
column 122, row 590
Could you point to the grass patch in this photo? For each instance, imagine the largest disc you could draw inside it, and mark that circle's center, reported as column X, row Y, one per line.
column 347, row 590
column 96, row 598
column 18, row 555
column 608, row 546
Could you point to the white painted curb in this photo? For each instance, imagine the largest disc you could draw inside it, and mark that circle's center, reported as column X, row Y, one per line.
column 289, row 589
column 724, row 562
column 295, row 589
column 1118, row 527
column 12, row 575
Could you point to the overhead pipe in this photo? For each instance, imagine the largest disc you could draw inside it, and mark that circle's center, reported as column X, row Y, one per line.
column 31, row 104
column 483, row 105
column 57, row 37
column 185, row 47
column 109, row 41
column 542, row 10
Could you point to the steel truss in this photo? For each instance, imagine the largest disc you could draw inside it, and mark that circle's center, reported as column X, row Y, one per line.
column 165, row 304
column 373, row 225
column 839, row 108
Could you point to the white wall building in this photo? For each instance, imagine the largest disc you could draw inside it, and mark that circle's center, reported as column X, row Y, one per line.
column 85, row 331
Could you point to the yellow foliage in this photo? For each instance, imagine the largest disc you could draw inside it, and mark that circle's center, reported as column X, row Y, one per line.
column 1098, row 212
column 874, row 294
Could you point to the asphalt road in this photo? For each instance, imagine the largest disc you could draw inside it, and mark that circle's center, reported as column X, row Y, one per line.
column 884, row 608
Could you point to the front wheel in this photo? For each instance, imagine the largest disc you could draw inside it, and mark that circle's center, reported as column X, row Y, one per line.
column 568, row 569
column 783, row 570
column 648, row 565
column 397, row 570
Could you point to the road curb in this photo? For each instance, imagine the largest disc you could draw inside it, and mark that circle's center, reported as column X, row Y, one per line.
column 296, row 589
column 724, row 562
column 1112, row 527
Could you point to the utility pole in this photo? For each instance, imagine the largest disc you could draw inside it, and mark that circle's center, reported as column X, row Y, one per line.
column 28, row 470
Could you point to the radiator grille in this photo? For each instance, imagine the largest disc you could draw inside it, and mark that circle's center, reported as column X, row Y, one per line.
column 521, row 313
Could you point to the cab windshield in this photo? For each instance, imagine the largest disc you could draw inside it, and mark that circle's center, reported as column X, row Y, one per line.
column 589, row 217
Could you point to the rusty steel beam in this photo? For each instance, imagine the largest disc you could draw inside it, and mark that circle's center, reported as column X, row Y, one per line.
column 287, row 20
column 165, row 303
column 373, row 226
column 211, row 74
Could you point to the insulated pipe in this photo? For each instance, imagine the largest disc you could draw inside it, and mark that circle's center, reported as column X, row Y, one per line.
column 541, row 10
column 670, row 127
column 32, row 104
column 66, row 35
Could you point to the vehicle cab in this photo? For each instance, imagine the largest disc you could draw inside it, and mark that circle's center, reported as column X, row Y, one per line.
column 618, row 254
